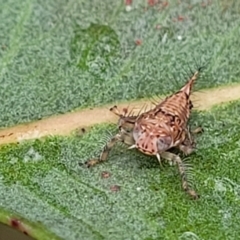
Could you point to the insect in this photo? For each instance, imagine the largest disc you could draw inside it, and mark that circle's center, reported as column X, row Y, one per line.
column 157, row 131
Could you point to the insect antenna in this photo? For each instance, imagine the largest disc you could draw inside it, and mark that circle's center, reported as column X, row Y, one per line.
column 115, row 110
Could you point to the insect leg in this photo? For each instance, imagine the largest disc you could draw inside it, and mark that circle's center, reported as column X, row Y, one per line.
column 189, row 145
column 182, row 170
column 106, row 150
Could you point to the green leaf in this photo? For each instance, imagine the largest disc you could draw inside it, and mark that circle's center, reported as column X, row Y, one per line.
column 56, row 56
column 44, row 181
column 94, row 48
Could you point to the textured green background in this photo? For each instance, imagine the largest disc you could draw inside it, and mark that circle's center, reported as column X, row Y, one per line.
column 43, row 182
column 56, row 56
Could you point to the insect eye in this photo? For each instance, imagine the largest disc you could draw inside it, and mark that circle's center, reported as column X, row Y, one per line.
column 164, row 143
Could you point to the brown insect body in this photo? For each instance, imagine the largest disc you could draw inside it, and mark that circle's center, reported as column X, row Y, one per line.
column 156, row 131
column 164, row 126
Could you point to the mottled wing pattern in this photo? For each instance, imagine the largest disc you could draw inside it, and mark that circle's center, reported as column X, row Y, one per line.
column 164, row 127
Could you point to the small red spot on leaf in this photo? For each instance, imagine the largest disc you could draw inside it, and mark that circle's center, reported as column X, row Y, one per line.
column 15, row 223
column 138, row 42
column 165, row 4
column 128, row 2
column 152, row 2
column 180, row 18
column 105, row 174
column 115, row 188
